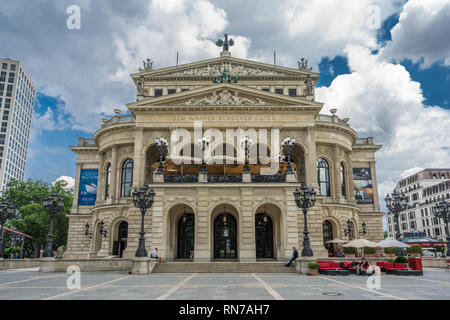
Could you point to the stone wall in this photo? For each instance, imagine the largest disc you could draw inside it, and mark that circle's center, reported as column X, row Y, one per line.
column 18, row 263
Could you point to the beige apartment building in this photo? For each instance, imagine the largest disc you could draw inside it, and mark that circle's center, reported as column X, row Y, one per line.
column 227, row 213
column 424, row 190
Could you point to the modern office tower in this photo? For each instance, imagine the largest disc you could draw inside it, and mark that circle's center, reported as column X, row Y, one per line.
column 17, row 94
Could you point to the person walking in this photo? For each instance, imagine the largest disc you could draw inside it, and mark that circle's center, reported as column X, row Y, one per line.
column 294, row 256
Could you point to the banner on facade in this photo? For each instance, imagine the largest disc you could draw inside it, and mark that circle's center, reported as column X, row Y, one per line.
column 362, row 181
column 87, row 193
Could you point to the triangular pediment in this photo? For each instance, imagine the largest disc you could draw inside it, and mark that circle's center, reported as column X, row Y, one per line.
column 236, row 67
column 225, row 94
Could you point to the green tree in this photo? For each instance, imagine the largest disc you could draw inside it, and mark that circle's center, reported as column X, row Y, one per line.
column 385, row 234
column 27, row 197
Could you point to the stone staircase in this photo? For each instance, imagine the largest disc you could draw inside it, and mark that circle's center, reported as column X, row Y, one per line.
column 223, row 267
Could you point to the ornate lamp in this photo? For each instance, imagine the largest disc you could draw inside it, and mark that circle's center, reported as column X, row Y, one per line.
column 161, row 144
column 305, row 199
column 86, row 231
column 363, row 232
column 395, row 205
column 102, row 229
column 143, row 199
column 246, row 142
column 204, row 144
column 54, row 204
column 348, row 231
column 288, row 144
column 7, row 211
column 441, row 210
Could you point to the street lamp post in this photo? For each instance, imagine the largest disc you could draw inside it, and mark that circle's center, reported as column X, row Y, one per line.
column 7, row 211
column 161, row 144
column 54, row 204
column 304, row 200
column 204, row 144
column 143, row 199
column 246, row 142
column 288, row 144
column 442, row 210
column 395, row 205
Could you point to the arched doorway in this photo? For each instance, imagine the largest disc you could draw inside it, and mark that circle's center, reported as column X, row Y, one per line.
column 263, row 236
column 120, row 243
column 225, row 236
column 327, row 235
column 186, row 235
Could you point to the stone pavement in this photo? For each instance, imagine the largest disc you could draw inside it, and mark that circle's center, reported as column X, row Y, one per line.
column 29, row 284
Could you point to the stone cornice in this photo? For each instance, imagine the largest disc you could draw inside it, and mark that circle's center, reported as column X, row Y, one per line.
column 179, row 72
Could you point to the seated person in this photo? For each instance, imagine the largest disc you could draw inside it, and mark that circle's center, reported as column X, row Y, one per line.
column 154, row 255
column 360, row 269
column 339, row 254
column 355, row 263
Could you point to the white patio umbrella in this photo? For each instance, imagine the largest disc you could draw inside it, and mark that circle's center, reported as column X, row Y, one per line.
column 336, row 241
column 392, row 243
column 360, row 243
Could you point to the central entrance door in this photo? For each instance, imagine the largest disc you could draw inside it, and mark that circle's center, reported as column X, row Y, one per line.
column 123, row 237
column 186, row 235
column 225, row 236
column 263, row 236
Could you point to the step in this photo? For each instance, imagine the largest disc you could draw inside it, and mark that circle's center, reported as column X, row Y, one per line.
column 223, row 267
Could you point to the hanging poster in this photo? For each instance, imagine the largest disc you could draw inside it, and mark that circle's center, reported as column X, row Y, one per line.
column 362, row 181
column 87, row 193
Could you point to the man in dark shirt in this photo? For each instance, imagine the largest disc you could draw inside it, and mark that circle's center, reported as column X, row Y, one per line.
column 294, row 256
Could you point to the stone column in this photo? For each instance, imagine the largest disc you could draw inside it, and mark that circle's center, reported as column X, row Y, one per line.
column 285, row 91
column 101, row 180
column 376, row 204
column 247, row 248
column 337, row 192
column 202, row 251
column 299, row 90
column 151, row 91
column 139, row 159
column 114, row 184
column 310, row 159
column 155, row 236
column 349, row 176
column 76, row 187
column 290, row 229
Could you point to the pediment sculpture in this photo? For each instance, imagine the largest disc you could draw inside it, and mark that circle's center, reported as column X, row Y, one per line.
column 232, row 69
column 224, row 97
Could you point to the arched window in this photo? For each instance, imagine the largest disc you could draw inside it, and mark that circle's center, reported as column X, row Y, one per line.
column 323, row 177
column 342, row 171
column 108, row 180
column 127, row 178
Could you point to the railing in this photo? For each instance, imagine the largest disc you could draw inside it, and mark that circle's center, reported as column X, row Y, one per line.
column 268, row 178
column 225, row 178
column 365, row 141
column 334, row 119
column 86, row 142
column 177, row 178
column 118, row 119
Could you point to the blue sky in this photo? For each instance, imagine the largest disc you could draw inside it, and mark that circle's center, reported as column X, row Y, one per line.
column 393, row 82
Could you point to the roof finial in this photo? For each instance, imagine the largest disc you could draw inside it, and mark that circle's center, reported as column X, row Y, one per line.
column 303, row 64
column 147, row 65
column 226, row 44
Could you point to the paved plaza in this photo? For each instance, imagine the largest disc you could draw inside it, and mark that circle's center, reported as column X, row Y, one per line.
column 29, row 284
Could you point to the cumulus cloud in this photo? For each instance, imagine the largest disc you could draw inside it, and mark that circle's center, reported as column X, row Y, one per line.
column 69, row 180
column 421, row 33
column 382, row 101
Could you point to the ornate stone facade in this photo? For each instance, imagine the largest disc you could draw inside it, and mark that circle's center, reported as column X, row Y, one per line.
column 228, row 214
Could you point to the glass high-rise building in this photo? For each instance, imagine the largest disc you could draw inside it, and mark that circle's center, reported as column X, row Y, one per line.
column 17, row 94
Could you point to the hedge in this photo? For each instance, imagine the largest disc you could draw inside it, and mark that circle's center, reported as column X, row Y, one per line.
column 349, row 250
column 414, row 249
column 369, row 250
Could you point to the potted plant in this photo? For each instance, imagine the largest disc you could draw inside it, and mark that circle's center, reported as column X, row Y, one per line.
column 414, row 250
column 389, row 252
column 349, row 252
column 313, row 268
column 401, row 259
column 369, row 252
column 390, row 260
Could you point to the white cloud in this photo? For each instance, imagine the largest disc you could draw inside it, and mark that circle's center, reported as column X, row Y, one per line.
column 382, row 101
column 421, row 33
column 69, row 180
